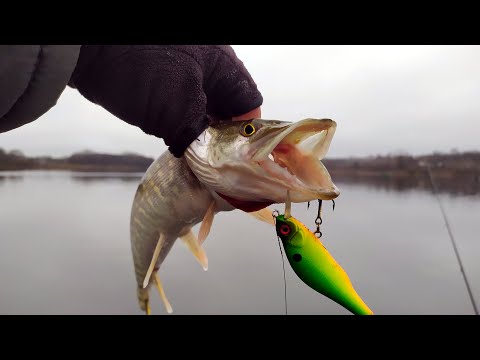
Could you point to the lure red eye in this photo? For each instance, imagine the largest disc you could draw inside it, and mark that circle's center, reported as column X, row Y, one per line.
column 284, row 229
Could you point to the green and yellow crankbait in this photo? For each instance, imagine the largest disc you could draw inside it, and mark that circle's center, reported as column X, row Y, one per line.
column 314, row 265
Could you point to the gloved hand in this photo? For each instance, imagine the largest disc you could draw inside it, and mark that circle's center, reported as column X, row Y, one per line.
column 172, row 92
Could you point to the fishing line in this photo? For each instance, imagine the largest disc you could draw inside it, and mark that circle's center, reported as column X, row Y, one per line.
column 452, row 239
column 283, row 266
column 284, row 279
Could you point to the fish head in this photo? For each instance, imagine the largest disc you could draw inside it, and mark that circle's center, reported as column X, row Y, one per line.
column 258, row 160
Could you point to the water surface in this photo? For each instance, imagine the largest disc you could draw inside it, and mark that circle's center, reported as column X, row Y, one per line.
column 65, row 249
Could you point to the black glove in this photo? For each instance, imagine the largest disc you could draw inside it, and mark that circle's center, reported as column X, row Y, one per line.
column 171, row 92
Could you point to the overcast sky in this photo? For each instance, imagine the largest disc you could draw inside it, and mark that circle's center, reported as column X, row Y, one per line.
column 385, row 99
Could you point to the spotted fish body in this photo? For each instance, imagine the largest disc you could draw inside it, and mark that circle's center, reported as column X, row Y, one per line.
column 316, row 267
column 171, row 200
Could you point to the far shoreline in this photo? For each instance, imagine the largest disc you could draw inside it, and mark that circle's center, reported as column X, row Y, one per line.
column 452, row 172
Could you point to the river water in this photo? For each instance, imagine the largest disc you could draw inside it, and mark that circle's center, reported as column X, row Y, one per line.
column 65, row 249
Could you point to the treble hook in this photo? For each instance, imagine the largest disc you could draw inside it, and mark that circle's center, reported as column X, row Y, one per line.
column 333, row 202
column 318, row 220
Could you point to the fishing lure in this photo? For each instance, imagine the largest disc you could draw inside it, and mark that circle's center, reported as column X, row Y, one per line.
column 314, row 265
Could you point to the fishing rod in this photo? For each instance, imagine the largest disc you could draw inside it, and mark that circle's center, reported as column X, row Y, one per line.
column 452, row 239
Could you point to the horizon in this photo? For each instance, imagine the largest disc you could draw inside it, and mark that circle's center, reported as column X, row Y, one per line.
column 125, row 153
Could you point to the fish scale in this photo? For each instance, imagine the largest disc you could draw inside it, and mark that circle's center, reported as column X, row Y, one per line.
column 172, row 209
column 169, row 199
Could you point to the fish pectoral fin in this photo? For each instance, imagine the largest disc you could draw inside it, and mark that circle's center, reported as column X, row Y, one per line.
column 263, row 215
column 206, row 223
column 156, row 253
column 158, row 285
column 194, row 245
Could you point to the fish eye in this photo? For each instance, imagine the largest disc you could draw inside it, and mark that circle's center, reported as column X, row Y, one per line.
column 284, row 229
column 248, row 129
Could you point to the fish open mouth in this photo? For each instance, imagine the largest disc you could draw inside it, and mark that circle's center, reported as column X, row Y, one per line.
column 292, row 154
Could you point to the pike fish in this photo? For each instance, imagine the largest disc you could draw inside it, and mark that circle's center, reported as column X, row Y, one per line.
column 246, row 165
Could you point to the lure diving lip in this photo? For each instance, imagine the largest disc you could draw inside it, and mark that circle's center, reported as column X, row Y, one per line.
column 315, row 266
